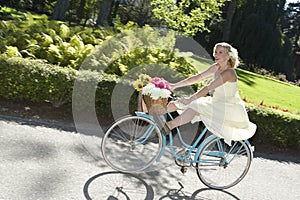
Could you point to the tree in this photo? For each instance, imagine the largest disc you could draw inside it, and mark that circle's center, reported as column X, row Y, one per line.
column 105, row 12
column 229, row 17
column 257, row 32
column 60, row 10
column 137, row 11
column 291, row 28
column 187, row 16
column 81, row 10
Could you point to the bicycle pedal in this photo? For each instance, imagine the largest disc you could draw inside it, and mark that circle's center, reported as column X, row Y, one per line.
column 183, row 170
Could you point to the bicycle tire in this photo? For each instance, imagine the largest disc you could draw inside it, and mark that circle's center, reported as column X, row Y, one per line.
column 117, row 185
column 126, row 148
column 218, row 173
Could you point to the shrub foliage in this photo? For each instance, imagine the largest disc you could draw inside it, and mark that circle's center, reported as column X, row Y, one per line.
column 52, row 41
column 56, row 43
column 34, row 80
column 275, row 127
column 39, row 82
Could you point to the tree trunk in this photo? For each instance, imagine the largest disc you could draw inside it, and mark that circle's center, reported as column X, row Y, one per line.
column 296, row 65
column 228, row 22
column 60, row 10
column 104, row 12
column 81, row 13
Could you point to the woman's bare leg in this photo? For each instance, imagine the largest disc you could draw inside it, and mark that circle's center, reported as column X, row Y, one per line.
column 184, row 118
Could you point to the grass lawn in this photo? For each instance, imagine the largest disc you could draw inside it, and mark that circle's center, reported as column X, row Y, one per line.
column 256, row 88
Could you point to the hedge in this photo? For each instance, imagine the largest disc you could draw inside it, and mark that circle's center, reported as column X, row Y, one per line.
column 34, row 80
column 275, row 127
column 37, row 81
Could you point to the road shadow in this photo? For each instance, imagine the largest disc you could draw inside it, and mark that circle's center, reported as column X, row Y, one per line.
column 200, row 194
column 36, row 122
column 115, row 185
column 286, row 157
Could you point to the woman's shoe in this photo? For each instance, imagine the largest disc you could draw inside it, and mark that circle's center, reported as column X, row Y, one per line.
column 161, row 124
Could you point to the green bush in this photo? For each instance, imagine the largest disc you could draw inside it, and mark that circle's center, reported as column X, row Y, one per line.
column 139, row 50
column 144, row 56
column 275, row 127
column 34, row 80
column 51, row 40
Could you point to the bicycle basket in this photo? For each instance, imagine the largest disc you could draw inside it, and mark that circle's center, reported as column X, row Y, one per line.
column 158, row 106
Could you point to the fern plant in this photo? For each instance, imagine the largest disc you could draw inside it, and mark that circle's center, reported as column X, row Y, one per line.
column 49, row 40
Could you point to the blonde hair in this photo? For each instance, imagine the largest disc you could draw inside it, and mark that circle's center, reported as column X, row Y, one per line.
column 232, row 53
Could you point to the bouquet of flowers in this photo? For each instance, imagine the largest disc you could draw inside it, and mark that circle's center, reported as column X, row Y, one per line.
column 155, row 92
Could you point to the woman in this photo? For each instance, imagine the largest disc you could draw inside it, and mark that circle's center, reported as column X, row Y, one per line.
column 224, row 113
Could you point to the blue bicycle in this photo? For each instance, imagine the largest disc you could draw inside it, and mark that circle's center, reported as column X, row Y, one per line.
column 133, row 143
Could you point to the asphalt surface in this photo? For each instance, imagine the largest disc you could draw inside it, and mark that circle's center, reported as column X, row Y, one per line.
column 45, row 161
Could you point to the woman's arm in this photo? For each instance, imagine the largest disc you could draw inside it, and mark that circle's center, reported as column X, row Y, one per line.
column 195, row 78
column 227, row 75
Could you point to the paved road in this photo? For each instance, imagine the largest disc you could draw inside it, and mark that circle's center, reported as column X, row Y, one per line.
column 38, row 161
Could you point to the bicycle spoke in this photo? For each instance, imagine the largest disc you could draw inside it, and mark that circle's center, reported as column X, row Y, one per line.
column 131, row 144
column 222, row 166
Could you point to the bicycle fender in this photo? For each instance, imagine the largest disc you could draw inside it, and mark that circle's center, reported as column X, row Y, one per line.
column 251, row 148
column 142, row 114
column 164, row 140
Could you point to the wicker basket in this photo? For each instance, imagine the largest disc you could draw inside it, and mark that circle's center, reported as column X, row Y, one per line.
column 158, row 106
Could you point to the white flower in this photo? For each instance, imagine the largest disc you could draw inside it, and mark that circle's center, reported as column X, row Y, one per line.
column 154, row 92
column 233, row 53
column 148, row 88
column 164, row 93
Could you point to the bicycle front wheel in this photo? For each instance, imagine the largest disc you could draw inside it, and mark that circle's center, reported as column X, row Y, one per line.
column 222, row 166
column 131, row 144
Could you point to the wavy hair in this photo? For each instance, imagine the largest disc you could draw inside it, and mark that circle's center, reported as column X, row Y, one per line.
column 232, row 53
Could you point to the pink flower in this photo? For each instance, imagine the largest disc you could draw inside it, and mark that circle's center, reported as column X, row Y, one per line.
column 155, row 80
column 161, row 83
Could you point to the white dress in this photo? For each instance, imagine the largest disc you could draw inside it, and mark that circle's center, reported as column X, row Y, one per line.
column 223, row 114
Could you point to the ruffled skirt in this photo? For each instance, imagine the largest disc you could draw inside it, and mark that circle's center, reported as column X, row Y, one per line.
column 226, row 119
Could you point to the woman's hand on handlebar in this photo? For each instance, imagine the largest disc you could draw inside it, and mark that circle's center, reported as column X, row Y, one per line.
column 185, row 100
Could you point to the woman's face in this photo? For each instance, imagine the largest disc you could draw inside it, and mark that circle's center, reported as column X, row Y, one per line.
column 221, row 55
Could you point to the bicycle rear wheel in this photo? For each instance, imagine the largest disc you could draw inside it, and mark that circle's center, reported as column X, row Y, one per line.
column 222, row 166
column 131, row 144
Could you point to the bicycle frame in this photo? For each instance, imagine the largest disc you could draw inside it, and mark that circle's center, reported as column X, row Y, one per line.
column 190, row 148
column 142, row 137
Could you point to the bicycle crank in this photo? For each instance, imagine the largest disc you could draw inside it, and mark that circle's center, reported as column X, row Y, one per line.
column 181, row 159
